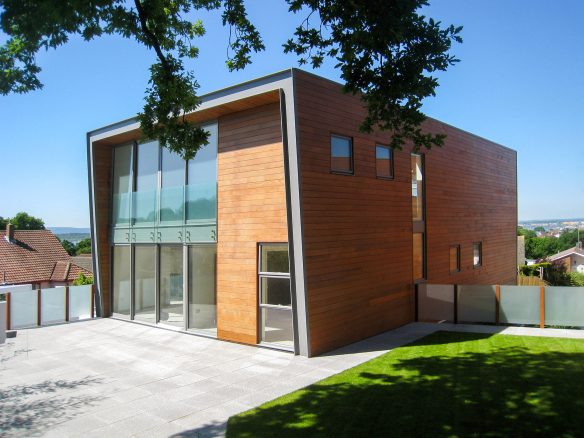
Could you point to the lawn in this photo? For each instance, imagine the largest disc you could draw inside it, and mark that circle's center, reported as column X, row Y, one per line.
column 446, row 384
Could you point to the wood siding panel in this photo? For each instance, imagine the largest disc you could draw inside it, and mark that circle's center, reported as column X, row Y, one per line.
column 358, row 228
column 251, row 209
column 102, row 168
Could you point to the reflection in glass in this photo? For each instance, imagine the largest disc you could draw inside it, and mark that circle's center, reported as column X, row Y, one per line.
column 172, row 191
column 418, row 259
column 477, row 254
column 341, row 154
column 171, row 285
column 201, row 192
column 275, row 291
column 202, row 295
column 417, row 172
column 122, row 184
column 144, row 282
column 275, row 258
column 146, row 183
column 383, row 161
column 121, row 282
column 277, row 327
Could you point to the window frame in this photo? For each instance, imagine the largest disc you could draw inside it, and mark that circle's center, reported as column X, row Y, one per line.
column 391, row 167
column 457, row 247
column 352, row 157
column 478, row 244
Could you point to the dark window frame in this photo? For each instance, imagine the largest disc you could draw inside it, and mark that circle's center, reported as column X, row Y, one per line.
column 480, row 247
column 352, row 161
column 391, row 160
column 457, row 246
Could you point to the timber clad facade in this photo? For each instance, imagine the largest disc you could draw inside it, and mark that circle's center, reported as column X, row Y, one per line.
column 292, row 228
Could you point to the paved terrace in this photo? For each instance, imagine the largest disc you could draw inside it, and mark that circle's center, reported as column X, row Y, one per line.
column 112, row 378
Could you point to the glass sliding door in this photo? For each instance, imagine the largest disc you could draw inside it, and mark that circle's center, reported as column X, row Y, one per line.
column 172, row 188
column 121, row 280
column 145, row 283
column 276, row 326
column 146, row 183
column 201, row 288
column 171, row 285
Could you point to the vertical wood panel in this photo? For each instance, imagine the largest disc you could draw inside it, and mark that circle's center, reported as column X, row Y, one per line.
column 251, row 209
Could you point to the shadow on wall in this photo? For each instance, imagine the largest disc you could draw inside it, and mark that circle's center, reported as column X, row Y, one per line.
column 27, row 410
column 510, row 387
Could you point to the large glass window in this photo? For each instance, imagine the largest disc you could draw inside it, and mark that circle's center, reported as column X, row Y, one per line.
column 172, row 187
column 417, row 170
column 275, row 299
column 341, row 154
column 201, row 191
column 202, row 295
column 384, row 161
column 145, row 283
column 122, row 184
column 121, row 280
column 146, row 183
column 171, row 285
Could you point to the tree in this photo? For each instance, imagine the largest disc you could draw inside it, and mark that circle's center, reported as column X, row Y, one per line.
column 23, row 221
column 84, row 246
column 69, row 247
column 3, row 223
column 386, row 51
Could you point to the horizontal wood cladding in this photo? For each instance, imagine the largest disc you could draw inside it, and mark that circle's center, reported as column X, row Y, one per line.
column 357, row 228
column 251, row 209
column 102, row 168
column 471, row 196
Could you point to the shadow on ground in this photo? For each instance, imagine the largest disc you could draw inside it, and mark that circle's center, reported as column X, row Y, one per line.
column 212, row 429
column 27, row 410
column 447, row 384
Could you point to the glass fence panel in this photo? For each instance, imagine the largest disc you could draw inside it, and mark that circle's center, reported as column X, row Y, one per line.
column 171, row 205
column 52, row 305
column 79, row 302
column 144, row 211
column 121, row 208
column 564, row 306
column 201, row 202
column 277, row 326
column 519, row 305
column 436, row 302
column 23, row 309
column 476, row 304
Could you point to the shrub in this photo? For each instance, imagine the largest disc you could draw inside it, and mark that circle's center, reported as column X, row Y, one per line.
column 82, row 279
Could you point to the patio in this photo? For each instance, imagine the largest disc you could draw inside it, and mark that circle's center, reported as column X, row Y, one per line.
column 106, row 377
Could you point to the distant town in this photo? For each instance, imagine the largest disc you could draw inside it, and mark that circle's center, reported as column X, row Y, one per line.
column 552, row 227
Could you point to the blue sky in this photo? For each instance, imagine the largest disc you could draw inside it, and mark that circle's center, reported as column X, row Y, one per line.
column 519, row 83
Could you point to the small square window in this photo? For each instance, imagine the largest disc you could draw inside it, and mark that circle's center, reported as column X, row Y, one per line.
column 477, row 254
column 384, row 161
column 455, row 258
column 341, row 154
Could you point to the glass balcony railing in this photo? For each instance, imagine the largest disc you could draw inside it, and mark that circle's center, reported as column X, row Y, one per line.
column 194, row 203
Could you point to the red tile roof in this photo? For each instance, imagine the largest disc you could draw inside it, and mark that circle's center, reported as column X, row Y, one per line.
column 34, row 256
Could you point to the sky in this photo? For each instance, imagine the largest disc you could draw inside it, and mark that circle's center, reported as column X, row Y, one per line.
column 519, row 83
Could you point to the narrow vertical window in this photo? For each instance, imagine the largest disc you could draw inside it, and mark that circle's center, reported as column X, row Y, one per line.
column 384, row 161
column 341, row 154
column 477, row 254
column 419, row 259
column 455, row 258
column 417, row 170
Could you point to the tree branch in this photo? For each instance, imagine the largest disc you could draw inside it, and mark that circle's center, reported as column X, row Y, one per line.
column 152, row 37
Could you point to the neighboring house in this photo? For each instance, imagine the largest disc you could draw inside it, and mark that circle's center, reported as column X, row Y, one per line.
column 292, row 228
column 84, row 261
column 35, row 257
column 572, row 258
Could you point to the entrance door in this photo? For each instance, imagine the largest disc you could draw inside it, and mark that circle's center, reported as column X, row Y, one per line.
column 171, row 285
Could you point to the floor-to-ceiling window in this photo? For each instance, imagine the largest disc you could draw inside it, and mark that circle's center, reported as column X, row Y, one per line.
column 122, row 184
column 172, row 185
column 171, row 285
column 202, row 260
column 146, row 183
column 145, row 283
column 121, row 280
column 276, row 326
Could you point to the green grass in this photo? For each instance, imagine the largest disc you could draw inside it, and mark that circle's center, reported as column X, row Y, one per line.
column 446, row 384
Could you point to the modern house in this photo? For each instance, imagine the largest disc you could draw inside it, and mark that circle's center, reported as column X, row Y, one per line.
column 36, row 257
column 572, row 258
column 292, row 228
